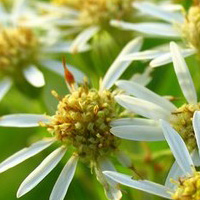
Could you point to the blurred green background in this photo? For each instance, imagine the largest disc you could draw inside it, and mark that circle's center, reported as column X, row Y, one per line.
column 84, row 185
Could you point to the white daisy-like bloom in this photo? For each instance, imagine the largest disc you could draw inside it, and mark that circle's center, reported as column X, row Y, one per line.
column 24, row 50
column 174, row 23
column 83, row 19
column 80, row 125
column 144, row 102
column 182, row 182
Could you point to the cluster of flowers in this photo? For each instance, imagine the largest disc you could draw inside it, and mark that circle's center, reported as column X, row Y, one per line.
column 90, row 122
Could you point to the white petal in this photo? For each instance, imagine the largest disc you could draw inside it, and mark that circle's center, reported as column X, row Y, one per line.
column 138, row 132
column 143, row 93
column 24, row 154
column 166, row 58
column 174, row 174
column 67, row 22
column 195, row 158
column 18, row 8
column 82, row 39
column 148, row 28
column 196, row 126
column 60, row 188
column 110, row 186
column 183, row 74
column 178, row 148
column 58, row 47
column 156, row 11
column 143, row 55
column 118, row 66
column 5, row 85
column 47, row 165
column 57, row 67
column 23, row 120
column 133, row 121
column 145, row 186
column 34, row 76
column 142, row 107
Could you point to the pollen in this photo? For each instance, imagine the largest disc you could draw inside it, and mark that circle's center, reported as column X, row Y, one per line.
column 181, row 121
column 188, row 188
column 191, row 27
column 82, row 121
column 99, row 12
column 18, row 48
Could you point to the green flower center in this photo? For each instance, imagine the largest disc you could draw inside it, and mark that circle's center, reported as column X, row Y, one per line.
column 188, row 188
column 181, row 121
column 82, row 121
column 99, row 12
column 191, row 27
column 18, row 49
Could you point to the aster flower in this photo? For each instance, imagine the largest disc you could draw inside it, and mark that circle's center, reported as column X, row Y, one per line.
column 183, row 179
column 80, row 125
column 154, row 107
column 83, row 19
column 175, row 23
column 24, row 50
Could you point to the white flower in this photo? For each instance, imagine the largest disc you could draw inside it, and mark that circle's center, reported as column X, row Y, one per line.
column 24, row 50
column 81, row 121
column 183, row 180
column 176, row 24
column 83, row 19
column 154, row 107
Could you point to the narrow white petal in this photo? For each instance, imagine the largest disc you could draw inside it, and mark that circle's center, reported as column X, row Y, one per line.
column 142, row 107
column 145, row 186
column 60, row 188
column 24, row 154
column 196, row 126
column 178, row 148
column 144, row 93
column 156, row 11
column 148, row 28
column 195, row 157
column 174, row 174
column 138, row 132
column 63, row 47
column 67, row 22
column 118, row 66
column 110, row 186
column 5, row 85
column 143, row 55
column 142, row 78
column 166, row 58
column 23, row 120
column 34, row 76
column 82, row 39
column 183, row 74
column 18, row 7
column 47, row 165
column 57, row 67
column 133, row 121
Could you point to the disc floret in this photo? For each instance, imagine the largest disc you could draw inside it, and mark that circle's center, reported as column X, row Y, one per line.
column 181, row 121
column 82, row 121
column 18, row 49
column 191, row 27
column 188, row 188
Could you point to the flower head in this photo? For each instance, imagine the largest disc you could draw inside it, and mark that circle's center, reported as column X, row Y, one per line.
column 81, row 125
column 183, row 179
column 150, row 105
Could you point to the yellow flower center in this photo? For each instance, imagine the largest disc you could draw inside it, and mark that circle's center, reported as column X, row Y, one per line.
column 82, row 121
column 18, row 49
column 191, row 27
column 99, row 12
column 188, row 188
column 181, row 121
